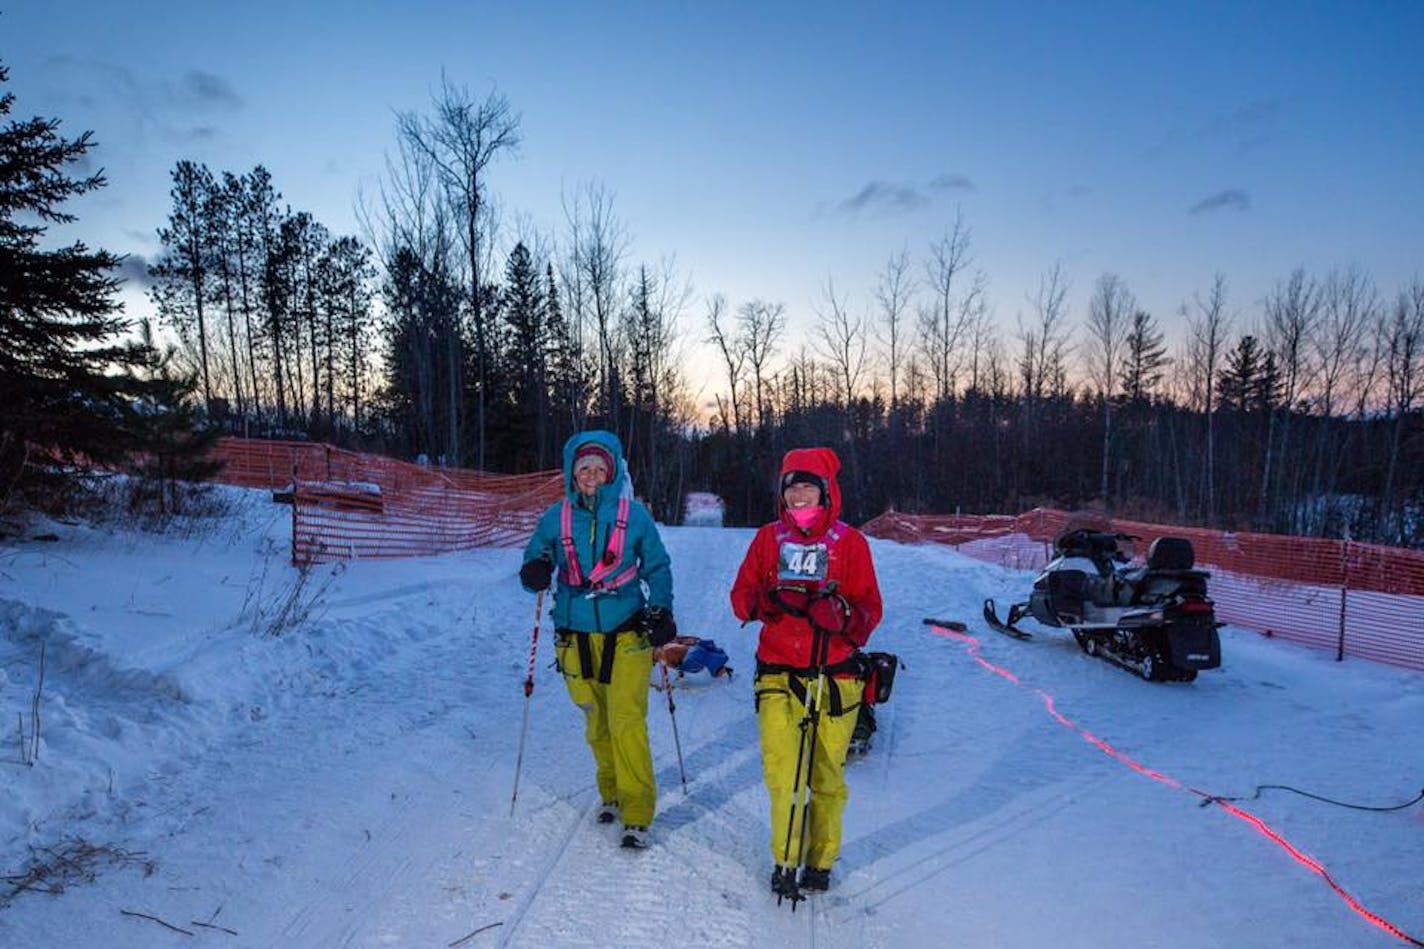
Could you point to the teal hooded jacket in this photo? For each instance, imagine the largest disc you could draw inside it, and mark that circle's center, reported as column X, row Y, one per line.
column 603, row 612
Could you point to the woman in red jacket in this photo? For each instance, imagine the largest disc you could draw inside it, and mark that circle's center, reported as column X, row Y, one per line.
column 808, row 578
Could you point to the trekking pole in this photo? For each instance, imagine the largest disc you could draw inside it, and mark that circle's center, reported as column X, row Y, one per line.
column 528, row 695
column 806, row 751
column 672, row 713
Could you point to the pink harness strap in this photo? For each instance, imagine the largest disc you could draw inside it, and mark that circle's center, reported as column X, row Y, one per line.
column 598, row 578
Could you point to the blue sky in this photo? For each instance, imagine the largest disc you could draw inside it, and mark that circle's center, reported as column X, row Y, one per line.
column 770, row 147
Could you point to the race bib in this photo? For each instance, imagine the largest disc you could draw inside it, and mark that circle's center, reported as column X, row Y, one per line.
column 802, row 562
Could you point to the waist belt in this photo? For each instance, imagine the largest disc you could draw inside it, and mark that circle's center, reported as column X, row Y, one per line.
column 796, row 680
column 585, row 652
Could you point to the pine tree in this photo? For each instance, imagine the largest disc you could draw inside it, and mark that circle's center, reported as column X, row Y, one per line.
column 524, row 315
column 70, row 385
column 176, row 445
column 183, row 286
column 1146, row 356
column 1238, row 381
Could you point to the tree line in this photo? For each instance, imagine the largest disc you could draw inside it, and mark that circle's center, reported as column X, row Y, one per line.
column 441, row 332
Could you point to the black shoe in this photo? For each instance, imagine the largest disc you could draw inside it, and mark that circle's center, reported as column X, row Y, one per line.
column 814, row 878
column 635, row 837
column 783, row 882
column 608, row 812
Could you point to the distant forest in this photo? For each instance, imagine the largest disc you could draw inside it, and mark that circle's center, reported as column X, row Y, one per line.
column 440, row 333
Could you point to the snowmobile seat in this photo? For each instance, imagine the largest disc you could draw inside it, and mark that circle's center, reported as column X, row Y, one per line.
column 1171, row 553
column 1170, row 568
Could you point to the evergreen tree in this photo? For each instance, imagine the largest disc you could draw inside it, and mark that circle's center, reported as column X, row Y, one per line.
column 524, row 314
column 347, row 277
column 564, row 356
column 1145, row 358
column 70, row 385
column 183, row 286
column 421, row 304
column 177, row 443
column 1238, row 381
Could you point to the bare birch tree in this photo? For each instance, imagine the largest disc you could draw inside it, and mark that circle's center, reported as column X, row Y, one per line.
column 761, row 324
column 409, row 223
column 1044, row 341
column 842, row 343
column 1109, row 321
column 1292, row 312
column 943, row 322
column 460, row 140
column 893, row 293
column 598, row 244
column 1207, row 341
column 734, row 357
column 1402, row 343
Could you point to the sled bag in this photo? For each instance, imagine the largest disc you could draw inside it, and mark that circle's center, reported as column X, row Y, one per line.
column 880, row 670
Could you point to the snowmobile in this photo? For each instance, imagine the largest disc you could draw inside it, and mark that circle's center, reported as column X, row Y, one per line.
column 1155, row 620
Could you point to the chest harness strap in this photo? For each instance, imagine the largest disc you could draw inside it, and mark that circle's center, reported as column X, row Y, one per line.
column 601, row 578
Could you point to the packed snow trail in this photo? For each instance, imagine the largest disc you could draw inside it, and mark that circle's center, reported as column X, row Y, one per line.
column 347, row 782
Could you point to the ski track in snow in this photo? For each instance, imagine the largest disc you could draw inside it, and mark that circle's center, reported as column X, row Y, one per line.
column 358, row 787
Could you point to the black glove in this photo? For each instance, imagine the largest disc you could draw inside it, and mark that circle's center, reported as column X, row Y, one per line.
column 658, row 623
column 536, row 574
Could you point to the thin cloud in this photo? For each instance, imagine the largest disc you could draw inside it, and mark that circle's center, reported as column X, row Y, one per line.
column 1052, row 201
column 169, row 110
column 950, row 182
column 879, row 196
column 204, row 88
column 1249, row 126
column 1232, row 199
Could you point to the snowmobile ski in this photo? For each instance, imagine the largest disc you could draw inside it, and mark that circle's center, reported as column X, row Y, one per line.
column 1000, row 626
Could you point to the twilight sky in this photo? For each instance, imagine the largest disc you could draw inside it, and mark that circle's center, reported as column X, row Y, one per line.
column 771, row 146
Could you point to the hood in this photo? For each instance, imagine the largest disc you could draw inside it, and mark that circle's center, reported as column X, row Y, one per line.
column 819, row 461
column 610, row 443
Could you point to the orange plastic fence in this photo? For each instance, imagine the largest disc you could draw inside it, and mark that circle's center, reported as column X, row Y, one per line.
column 348, row 505
column 1359, row 600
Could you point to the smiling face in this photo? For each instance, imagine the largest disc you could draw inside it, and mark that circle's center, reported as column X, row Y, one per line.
column 801, row 494
column 590, row 478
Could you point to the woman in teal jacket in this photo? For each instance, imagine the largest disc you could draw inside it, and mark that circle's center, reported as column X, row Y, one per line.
column 604, row 546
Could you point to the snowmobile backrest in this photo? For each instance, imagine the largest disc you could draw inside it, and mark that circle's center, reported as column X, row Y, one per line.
column 1171, row 553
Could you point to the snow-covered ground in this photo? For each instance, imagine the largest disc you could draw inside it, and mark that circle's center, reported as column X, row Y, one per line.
column 259, row 759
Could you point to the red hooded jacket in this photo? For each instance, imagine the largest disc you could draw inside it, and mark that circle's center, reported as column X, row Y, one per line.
column 780, row 546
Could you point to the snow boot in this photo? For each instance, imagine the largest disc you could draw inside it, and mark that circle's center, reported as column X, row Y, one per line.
column 860, row 739
column 814, row 878
column 635, row 837
column 783, row 882
column 608, row 812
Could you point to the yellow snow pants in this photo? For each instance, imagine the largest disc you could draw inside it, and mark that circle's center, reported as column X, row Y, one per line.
column 780, row 714
column 615, row 716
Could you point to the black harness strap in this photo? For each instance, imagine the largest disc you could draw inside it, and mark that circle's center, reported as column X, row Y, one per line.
column 585, row 654
column 605, row 667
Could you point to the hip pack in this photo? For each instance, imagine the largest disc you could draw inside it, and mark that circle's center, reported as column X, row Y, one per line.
column 879, row 675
